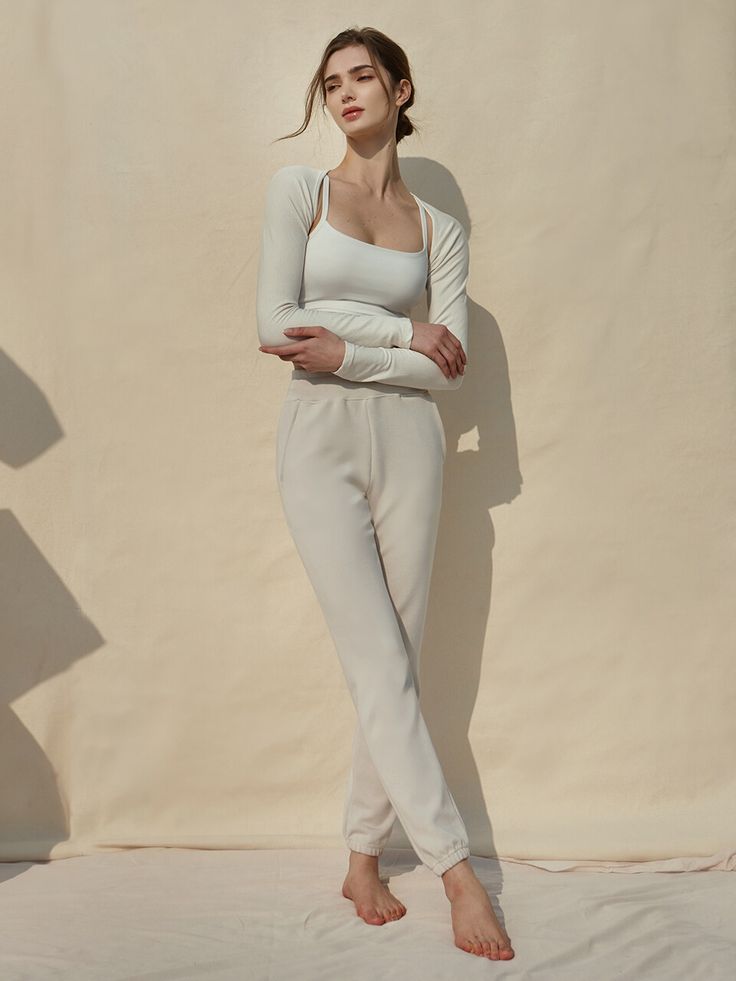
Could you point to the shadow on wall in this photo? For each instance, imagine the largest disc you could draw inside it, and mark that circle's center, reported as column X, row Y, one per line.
column 481, row 471
column 42, row 633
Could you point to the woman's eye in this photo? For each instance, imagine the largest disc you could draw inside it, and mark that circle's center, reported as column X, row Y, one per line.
column 331, row 88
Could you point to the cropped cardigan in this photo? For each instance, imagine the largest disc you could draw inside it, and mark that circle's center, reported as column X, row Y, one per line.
column 377, row 345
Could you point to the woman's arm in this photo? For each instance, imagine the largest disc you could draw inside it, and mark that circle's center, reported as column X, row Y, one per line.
column 288, row 215
column 447, row 297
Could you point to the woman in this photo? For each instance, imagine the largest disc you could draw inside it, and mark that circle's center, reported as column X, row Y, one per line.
column 360, row 451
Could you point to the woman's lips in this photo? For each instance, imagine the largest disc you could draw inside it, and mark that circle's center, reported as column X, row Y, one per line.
column 353, row 114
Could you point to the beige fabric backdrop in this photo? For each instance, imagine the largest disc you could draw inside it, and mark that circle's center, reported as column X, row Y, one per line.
column 169, row 676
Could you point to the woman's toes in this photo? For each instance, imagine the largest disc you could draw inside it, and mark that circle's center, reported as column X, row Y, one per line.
column 486, row 948
column 505, row 950
column 371, row 916
column 494, row 950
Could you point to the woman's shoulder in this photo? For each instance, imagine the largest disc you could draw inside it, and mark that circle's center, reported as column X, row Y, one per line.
column 448, row 234
column 296, row 188
column 292, row 190
column 296, row 175
column 443, row 220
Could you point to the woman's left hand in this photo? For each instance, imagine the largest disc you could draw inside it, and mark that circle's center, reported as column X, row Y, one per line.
column 320, row 349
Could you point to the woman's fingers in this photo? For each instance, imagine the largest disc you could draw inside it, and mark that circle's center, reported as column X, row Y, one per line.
column 460, row 357
column 454, row 360
column 458, row 348
column 446, row 360
column 282, row 349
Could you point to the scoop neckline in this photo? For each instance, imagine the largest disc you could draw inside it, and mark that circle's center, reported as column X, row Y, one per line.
column 371, row 245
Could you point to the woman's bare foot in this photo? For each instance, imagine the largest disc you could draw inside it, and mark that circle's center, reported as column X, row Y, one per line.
column 373, row 900
column 474, row 923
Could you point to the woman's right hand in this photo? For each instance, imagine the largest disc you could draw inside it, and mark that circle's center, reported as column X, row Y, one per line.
column 441, row 345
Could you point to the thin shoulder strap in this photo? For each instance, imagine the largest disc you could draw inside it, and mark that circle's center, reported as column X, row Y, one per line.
column 325, row 198
column 423, row 215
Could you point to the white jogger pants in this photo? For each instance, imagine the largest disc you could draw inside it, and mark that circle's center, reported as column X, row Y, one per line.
column 359, row 469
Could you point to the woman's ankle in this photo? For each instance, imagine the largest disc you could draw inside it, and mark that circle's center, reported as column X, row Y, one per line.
column 361, row 859
column 457, row 877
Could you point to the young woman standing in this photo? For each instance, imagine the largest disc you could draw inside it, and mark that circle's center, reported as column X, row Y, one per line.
column 360, row 451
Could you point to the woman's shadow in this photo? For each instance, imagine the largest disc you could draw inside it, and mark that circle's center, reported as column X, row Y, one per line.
column 481, row 471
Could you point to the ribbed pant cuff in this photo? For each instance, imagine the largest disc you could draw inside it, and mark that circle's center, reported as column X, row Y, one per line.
column 452, row 859
column 364, row 849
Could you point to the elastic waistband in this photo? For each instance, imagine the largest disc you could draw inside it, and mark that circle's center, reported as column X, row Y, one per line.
column 312, row 385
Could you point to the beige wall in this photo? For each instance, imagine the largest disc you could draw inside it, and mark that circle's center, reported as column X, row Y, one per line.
column 170, row 678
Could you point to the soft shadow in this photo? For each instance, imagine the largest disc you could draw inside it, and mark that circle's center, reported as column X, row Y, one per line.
column 43, row 632
column 481, row 471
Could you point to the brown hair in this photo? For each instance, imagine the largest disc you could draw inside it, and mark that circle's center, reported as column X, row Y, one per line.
column 380, row 49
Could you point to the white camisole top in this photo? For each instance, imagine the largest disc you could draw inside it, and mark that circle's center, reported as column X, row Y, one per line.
column 338, row 266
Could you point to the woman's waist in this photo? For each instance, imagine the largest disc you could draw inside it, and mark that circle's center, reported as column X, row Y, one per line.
column 313, row 385
column 351, row 306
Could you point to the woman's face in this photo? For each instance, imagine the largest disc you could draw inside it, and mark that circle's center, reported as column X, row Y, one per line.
column 360, row 87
